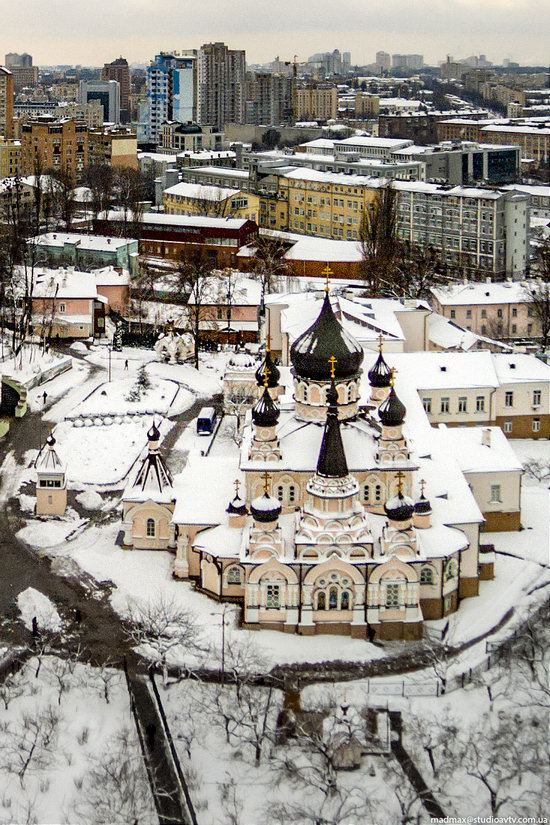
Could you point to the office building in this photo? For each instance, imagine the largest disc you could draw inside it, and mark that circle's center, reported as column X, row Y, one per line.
column 221, row 85
column 120, row 71
column 171, row 82
column 108, row 94
column 6, row 102
column 13, row 59
column 383, row 61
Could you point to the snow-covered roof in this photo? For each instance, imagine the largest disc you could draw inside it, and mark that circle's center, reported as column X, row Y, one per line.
column 64, row 283
column 474, row 292
column 448, row 370
column 480, row 449
column 448, row 335
column 519, row 368
column 163, row 219
column 224, row 171
column 109, row 276
column 204, row 489
column 323, row 249
column 200, row 191
column 96, row 243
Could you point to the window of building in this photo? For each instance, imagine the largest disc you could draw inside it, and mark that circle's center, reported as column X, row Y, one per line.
column 483, row 313
column 462, row 404
column 426, row 575
column 280, row 493
column 509, row 399
column 507, row 426
column 392, row 595
column 234, row 575
column 514, row 312
column 444, row 405
column 151, row 528
column 495, row 494
column 62, row 307
column 427, row 402
column 535, row 426
column 468, row 313
column 273, row 597
column 536, row 397
column 499, row 313
column 483, row 329
column 366, row 493
column 453, row 313
column 480, row 403
column 450, row 570
column 514, row 329
column 49, row 482
column 378, row 492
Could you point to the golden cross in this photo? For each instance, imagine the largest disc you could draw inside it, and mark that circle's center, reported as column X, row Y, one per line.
column 393, row 373
column 332, row 361
column 266, row 479
column 267, row 373
column 400, row 476
column 237, row 484
column 327, row 272
column 422, row 487
column 380, row 342
column 268, row 343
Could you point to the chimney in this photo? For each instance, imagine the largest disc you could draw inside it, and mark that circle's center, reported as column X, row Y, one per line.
column 486, row 437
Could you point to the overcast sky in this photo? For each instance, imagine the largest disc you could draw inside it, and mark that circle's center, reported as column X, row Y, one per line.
column 94, row 31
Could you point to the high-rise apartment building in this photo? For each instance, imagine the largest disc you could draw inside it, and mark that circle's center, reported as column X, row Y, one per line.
column 171, row 82
column 10, row 158
column 383, row 61
column 269, row 99
column 22, row 69
column 108, row 94
column 120, row 71
column 54, row 144
column 14, row 59
column 320, row 103
column 222, row 85
column 6, row 102
column 407, row 61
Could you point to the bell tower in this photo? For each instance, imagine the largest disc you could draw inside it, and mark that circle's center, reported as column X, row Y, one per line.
column 51, row 482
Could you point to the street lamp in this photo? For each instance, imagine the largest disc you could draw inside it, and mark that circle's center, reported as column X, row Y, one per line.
column 222, row 616
column 109, row 349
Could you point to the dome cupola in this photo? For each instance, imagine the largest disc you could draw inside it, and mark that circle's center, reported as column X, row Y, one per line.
column 380, row 374
column 392, row 411
column 326, row 337
column 268, row 369
column 265, row 509
column 399, row 507
column 265, row 412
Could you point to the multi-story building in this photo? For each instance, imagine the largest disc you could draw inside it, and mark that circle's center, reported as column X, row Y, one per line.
column 269, row 99
column 114, row 146
column 367, row 105
column 120, row 71
column 86, row 252
column 407, row 61
column 6, row 102
column 215, row 201
column 54, row 144
column 221, row 85
column 14, row 59
column 190, row 137
column 171, row 82
column 10, row 158
column 502, row 310
column 531, row 135
column 465, row 162
column 319, row 103
column 108, row 94
column 24, row 77
column 481, row 230
column 383, row 61
column 91, row 113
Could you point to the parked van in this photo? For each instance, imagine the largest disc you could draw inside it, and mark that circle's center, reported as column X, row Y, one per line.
column 206, row 421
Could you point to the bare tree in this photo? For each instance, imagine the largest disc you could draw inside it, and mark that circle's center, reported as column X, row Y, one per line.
column 29, row 742
column 194, row 278
column 378, row 240
column 537, row 294
column 63, row 196
column 270, row 263
column 160, row 627
column 115, row 788
column 537, row 469
column 99, row 178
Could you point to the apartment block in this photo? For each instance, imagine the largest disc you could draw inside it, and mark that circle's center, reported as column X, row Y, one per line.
column 190, row 137
column 10, row 158
column 114, row 146
column 6, row 102
column 107, row 92
column 171, row 81
column 54, row 144
column 367, row 105
column 320, row 103
column 119, row 70
column 221, row 85
column 212, row 201
column 501, row 310
column 269, row 99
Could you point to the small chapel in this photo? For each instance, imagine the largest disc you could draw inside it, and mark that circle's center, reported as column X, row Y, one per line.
column 332, row 516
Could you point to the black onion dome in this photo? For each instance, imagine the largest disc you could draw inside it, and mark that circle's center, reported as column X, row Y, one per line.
column 237, row 507
column 380, row 373
column 399, row 508
column 274, row 374
column 422, row 506
column 265, row 412
column 154, row 433
column 392, row 411
column 265, row 509
column 325, row 338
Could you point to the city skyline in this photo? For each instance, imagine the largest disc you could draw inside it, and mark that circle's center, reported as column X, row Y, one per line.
column 67, row 35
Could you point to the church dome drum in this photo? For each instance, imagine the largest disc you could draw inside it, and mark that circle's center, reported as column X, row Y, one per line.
column 265, row 509
column 399, row 508
column 237, row 507
column 324, row 339
column 392, row 411
column 422, row 506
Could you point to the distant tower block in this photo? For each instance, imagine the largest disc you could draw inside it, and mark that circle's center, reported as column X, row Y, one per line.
column 51, row 482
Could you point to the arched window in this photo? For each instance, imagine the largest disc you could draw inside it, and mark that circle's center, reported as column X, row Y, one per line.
column 234, row 575
column 391, row 595
column 333, row 598
column 450, row 570
column 366, row 493
column 378, row 492
column 427, row 575
column 334, row 594
column 291, row 493
column 151, row 528
column 321, row 600
column 280, row 493
column 344, row 602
